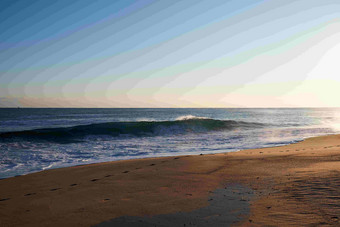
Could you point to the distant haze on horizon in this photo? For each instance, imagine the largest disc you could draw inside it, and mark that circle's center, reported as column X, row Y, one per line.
column 210, row 53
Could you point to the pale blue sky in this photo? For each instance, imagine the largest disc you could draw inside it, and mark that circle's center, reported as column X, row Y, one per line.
column 216, row 53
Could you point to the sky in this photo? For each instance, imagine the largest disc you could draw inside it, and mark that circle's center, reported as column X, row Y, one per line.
column 168, row 53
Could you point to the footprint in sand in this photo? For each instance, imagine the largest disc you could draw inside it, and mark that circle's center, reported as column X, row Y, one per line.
column 108, row 175
column 335, row 218
column 28, row 194
column 94, row 179
column 176, row 158
column 54, row 189
column 72, row 185
column 4, row 199
column 152, row 164
column 126, row 171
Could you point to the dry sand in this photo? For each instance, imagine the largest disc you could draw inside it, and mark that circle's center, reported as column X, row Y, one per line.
column 294, row 185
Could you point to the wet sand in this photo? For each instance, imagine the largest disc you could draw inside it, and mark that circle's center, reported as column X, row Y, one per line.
column 294, row 185
column 227, row 206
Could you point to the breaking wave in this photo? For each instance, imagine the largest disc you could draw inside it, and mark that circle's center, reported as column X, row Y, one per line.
column 182, row 125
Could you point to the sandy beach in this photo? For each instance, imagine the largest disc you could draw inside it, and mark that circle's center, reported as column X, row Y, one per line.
column 293, row 185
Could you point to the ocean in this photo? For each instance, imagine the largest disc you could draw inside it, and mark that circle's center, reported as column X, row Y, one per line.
column 35, row 139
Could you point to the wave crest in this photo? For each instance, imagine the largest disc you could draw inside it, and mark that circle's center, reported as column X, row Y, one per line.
column 183, row 125
column 189, row 117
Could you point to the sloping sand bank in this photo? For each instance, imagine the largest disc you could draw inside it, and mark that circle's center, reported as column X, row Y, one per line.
column 294, row 185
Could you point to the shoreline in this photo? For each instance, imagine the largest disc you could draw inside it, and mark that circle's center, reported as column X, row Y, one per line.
column 295, row 184
column 161, row 156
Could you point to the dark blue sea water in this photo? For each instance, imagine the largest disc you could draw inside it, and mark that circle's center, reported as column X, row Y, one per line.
column 36, row 139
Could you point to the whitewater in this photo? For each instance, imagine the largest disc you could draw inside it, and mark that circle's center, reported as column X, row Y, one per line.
column 36, row 139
